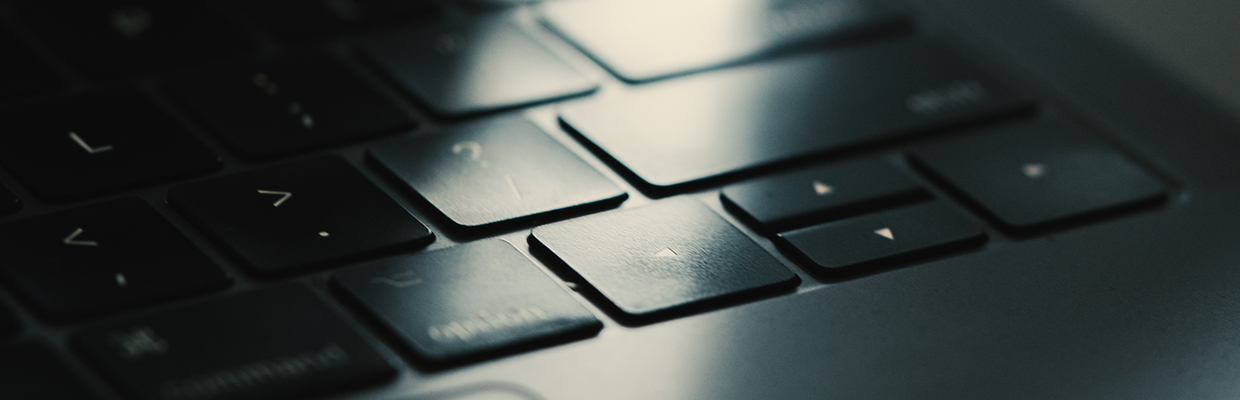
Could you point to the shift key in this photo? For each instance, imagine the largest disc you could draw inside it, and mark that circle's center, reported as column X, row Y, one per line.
column 723, row 122
column 282, row 342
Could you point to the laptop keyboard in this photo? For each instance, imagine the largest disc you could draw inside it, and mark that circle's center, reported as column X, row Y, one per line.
column 291, row 199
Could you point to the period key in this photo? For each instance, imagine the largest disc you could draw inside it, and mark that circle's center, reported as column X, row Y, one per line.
column 299, row 214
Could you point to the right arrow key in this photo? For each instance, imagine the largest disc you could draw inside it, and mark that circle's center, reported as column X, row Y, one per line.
column 887, row 237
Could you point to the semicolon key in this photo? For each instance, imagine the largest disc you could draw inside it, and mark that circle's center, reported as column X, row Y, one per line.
column 299, row 214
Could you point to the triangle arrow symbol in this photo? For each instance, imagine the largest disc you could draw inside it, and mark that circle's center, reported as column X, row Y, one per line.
column 283, row 196
column 822, row 189
column 72, row 239
column 666, row 253
column 885, row 232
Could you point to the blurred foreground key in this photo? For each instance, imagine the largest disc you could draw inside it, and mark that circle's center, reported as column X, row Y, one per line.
column 642, row 40
column 474, row 67
column 722, row 122
column 31, row 371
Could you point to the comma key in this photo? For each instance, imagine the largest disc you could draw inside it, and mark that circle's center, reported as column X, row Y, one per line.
column 248, row 346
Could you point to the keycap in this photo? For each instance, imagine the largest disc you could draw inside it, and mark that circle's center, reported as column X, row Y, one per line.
column 728, row 121
column 289, row 105
column 474, row 67
column 299, row 214
column 891, row 236
column 8, row 322
column 22, row 73
column 110, row 38
column 466, row 302
column 31, row 371
column 281, row 342
column 97, row 143
column 1038, row 174
column 301, row 19
column 800, row 198
column 102, row 257
column 498, row 173
column 688, row 35
column 650, row 261
column 8, row 202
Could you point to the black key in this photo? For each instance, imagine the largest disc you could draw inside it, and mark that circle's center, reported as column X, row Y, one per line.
column 108, row 38
column 8, row 322
column 475, row 67
column 639, row 45
column 801, row 198
column 8, row 202
column 106, row 256
column 31, row 371
column 302, row 18
column 736, row 119
column 496, row 173
column 286, row 106
column 299, row 214
column 890, row 236
column 283, row 342
column 654, row 259
column 1036, row 174
column 100, row 142
column 21, row 72
column 467, row 301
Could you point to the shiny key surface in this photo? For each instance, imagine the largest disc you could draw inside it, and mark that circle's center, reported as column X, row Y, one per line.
column 641, row 40
column 468, row 301
column 31, row 371
column 102, row 257
column 288, row 105
column 110, row 38
column 890, row 236
column 474, row 67
column 651, row 260
column 801, row 198
column 502, row 172
column 1037, row 174
column 736, row 119
column 281, row 342
column 299, row 214
column 97, row 143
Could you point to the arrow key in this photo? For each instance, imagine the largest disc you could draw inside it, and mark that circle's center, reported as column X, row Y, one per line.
column 891, row 236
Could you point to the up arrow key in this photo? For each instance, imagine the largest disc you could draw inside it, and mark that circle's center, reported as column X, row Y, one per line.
column 885, row 232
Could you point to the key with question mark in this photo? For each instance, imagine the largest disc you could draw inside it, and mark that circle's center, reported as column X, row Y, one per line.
column 474, row 149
